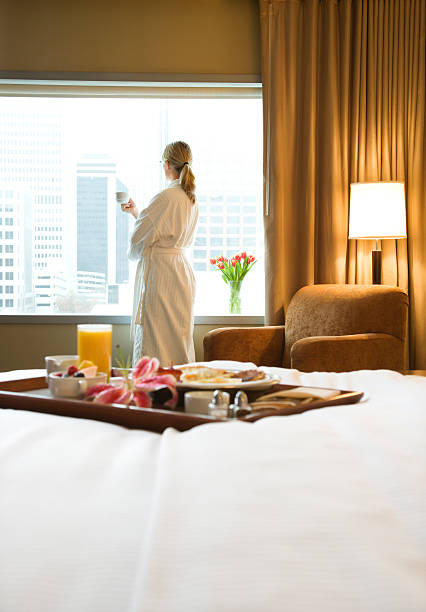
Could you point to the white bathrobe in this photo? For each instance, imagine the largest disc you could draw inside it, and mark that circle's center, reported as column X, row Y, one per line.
column 162, row 323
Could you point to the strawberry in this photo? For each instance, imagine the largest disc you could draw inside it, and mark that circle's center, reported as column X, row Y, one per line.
column 71, row 370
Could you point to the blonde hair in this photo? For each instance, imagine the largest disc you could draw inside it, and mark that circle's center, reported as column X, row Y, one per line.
column 179, row 157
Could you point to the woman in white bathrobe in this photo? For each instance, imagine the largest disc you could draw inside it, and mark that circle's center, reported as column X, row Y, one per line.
column 162, row 322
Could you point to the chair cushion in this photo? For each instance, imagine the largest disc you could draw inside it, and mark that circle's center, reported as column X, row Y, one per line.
column 337, row 310
column 348, row 353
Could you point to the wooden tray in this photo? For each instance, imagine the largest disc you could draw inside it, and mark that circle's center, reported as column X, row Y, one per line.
column 15, row 393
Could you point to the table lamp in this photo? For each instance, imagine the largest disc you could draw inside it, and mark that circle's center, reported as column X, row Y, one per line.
column 377, row 212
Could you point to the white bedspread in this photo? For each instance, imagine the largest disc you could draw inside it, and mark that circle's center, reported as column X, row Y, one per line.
column 323, row 511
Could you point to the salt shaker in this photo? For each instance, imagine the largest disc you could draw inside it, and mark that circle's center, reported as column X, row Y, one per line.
column 219, row 405
column 240, row 404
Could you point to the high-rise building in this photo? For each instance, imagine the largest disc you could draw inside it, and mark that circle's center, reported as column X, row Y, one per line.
column 16, row 291
column 102, row 228
column 31, row 149
column 50, row 287
column 227, row 224
column 31, row 166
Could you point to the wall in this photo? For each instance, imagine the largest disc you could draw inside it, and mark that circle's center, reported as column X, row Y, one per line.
column 25, row 346
column 186, row 37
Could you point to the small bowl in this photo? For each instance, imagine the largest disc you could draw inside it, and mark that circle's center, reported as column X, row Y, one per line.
column 73, row 386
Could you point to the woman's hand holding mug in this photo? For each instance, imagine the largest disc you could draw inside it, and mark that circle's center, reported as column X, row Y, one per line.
column 130, row 207
column 126, row 203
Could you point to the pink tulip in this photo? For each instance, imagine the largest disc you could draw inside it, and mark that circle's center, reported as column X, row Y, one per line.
column 212, row 261
column 243, row 255
column 221, row 266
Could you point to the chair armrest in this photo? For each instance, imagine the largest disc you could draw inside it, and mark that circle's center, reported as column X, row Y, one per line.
column 261, row 345
column 348, row 353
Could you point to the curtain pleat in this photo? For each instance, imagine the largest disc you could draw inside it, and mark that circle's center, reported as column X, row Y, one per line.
column 344, row 101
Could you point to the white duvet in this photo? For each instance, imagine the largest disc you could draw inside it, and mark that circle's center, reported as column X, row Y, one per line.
column 323, row 511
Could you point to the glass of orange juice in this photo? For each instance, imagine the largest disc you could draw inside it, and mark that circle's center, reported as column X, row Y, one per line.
column 94, row 343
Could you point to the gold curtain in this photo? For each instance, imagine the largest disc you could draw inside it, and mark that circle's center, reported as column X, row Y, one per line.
column 344, row 101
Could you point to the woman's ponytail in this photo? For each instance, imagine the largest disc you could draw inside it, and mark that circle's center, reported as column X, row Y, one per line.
column 180, row 157
column 187, row 180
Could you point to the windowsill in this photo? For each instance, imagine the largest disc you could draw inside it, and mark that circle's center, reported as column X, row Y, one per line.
column 74, row 319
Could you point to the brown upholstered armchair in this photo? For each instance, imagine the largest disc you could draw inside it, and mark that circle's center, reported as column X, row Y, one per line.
column 328, row 328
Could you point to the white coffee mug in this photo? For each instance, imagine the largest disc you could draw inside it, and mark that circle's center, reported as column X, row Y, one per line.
column 57, row 363
column 197, row 402
column 122, row 197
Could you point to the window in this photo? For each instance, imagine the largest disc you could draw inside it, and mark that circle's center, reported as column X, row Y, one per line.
column 64, row 158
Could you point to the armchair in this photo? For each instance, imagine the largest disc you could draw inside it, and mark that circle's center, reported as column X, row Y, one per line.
column 328, row 328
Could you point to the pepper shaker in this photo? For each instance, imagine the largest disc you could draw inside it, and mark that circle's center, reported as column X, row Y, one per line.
column 240, row 405
column 219, row 405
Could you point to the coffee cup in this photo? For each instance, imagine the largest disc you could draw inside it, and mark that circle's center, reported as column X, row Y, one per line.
column 57, row 363
column 122, row 197
column 197, row 402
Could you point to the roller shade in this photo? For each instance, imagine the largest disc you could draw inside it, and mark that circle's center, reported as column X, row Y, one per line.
column 216, row 38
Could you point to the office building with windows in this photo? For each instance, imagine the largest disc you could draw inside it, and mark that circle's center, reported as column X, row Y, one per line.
column 16, row 249
column 102, row 228
column 31, row 169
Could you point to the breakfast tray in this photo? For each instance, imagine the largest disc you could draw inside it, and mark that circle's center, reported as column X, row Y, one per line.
column 28, row 391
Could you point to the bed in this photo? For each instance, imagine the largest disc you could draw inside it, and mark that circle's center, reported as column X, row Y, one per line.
column 324, row 510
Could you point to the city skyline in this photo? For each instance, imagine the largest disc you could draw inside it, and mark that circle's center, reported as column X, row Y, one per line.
column 76, row 236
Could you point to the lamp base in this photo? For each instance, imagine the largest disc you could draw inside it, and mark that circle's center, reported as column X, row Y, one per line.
column 376, row 267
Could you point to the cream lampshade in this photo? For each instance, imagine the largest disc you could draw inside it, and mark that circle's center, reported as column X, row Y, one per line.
column 377, row 211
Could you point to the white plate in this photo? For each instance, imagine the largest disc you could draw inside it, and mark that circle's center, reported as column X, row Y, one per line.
column 268, row 381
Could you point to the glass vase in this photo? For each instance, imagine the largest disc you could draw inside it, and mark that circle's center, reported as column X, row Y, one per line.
column 234, row 297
